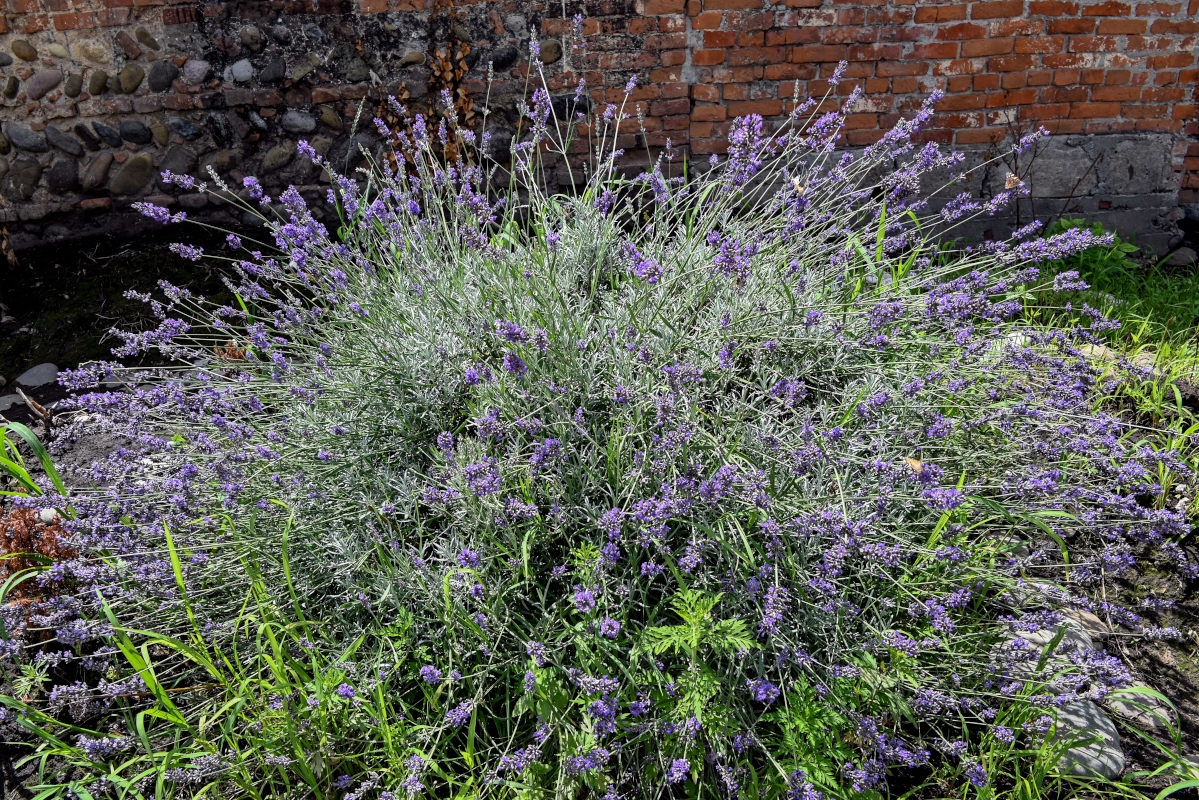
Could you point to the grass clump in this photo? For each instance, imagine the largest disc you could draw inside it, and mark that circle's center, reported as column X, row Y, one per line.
column 681, row 484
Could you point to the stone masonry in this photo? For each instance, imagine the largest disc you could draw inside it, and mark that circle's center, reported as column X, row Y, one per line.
column 97, row 97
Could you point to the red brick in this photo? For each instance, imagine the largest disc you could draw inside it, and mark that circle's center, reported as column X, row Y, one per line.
column 1092, row 110
column 1090, row 77
column 767, row 108
column 715, row 113
column 651, row 7
column 979, row 135
column 719, row 38
column 1094, row 44
column 709, row 20
column 962, row 102
column 1116, row 93
column 731, row 4
column 674, row 58
column 1065, row 94
column 963, row 30
column 1053, row 8
column 1065, row 77
column 706, row 58
column 986, row 47
column 817, row 52
column 1108, row 9
column 1015, row 80
column 1072, row 25
column 996, row 8
column 1119, row 26
column 935, row 50
column 886, row 69
column 905, row 84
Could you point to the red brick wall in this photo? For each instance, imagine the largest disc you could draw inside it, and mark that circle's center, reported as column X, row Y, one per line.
column 1090, row 67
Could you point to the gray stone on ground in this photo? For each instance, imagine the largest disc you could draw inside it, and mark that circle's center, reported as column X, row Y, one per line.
column 1135, row 705
column 64, row 141
column 179, row 160
column 11, row 85
column 57, row 50
column 133, row 175
column 195, row 70
column 90, row 140
column 25, row 139
column 5, row 145
column 10, row 400
column 5, row 59
column 41, row 375
column 1101, row 754
column 412, row 57
column 74, row 85
column 1182, row 257
column 40, row 84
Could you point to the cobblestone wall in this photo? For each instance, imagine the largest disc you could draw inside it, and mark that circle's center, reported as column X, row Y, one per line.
column 99, row 96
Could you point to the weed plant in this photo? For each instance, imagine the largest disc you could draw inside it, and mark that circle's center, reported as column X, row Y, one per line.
column 680, row 484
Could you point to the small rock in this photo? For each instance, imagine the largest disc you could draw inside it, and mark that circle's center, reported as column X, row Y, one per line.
column 133, row 175
column 10, row 400
column 127, row 45
column 5, row 146
column 355, row 70
column 24, row 176
column 551, row 51
column 321, row 144
column 162, row 75
column 25, row 139
column 146, row 39
column 159, row 132
column 281, row 33
column 95, row 174
column 38, row 376
column 63, row 176
column 222, row 161
column 41, row 83
column 130, row 78
column 274, row 70
column 47, row 515
column 185, row 128
column 1102, row 756
column 307, row 63
column 74, row 85
column 57, row 50
column 411, row 57
column 1182, row 257
column 24, row 50
column 278, row 156
column 313, row 32
column 1136, row 705
column 298, row 122
column 5, row 60
column 135, row 132
column 251, row 38
column 242, row 70
column 93, row 51
column 108, row 134
column 11, row 85
column 64, row 141
column 195, row 71
column 1089, row 623
column 97, row 82
column 330, row 117
column 503, row 57
column 178, row 160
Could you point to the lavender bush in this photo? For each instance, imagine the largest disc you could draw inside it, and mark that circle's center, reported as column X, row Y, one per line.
column 692, row 482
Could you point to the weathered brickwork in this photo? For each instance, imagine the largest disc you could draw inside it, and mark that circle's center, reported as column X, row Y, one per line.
column 98, row 96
